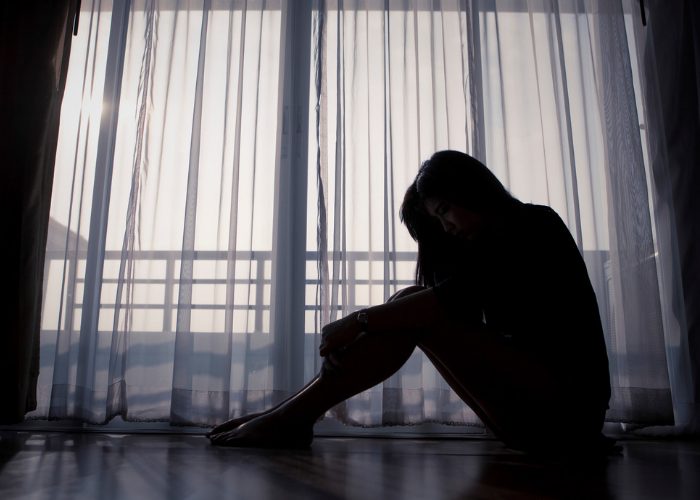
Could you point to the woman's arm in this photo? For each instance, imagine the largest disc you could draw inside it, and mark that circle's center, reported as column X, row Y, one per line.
column 411, row 312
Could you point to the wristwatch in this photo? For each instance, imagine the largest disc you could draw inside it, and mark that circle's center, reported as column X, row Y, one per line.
column 363, row 320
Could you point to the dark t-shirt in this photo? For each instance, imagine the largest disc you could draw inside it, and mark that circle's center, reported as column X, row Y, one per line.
column 526, row 280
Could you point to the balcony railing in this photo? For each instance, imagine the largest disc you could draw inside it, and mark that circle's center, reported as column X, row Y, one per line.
column 160, row 272
column 359, row 286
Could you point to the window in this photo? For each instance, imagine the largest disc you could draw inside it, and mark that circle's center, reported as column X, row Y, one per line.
column 229, row 175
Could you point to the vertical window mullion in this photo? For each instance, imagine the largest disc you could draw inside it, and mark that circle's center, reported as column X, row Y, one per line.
column 289, row 249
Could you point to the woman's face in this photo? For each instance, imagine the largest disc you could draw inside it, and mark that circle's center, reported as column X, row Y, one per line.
column 455, row 220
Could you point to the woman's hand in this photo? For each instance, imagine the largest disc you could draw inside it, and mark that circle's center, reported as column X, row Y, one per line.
column 339, row 334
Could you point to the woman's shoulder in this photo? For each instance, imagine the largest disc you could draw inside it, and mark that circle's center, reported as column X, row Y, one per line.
column 531, row 213
column 540, row 220
column 540, row 211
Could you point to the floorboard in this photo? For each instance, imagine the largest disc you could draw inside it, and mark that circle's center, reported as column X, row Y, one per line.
column 143, row 466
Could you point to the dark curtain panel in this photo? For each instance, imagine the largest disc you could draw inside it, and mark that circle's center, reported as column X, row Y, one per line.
column 35, row 38
column 674, row 68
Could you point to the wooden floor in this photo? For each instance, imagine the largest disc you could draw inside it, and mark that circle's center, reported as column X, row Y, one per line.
column 143, row 466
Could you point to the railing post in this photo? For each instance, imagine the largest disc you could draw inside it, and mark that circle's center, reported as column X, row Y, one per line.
column 259, row 288
column 352, row 281
column 169, row 289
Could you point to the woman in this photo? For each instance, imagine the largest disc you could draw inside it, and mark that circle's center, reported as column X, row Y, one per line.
column 503, row 307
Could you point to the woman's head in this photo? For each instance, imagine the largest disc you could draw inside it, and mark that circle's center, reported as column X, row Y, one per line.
column 452, row 198
column 459, row 179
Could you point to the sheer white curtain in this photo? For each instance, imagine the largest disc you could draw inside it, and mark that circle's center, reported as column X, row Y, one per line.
column 229, row 175
column 158, row 283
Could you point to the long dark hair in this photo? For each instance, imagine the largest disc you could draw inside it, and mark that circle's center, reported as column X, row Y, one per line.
column 458, row 179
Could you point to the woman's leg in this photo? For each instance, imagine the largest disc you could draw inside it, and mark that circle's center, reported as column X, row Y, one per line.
column 511, row 391
column 526, row 400
column 365, row 363
column 508, row 389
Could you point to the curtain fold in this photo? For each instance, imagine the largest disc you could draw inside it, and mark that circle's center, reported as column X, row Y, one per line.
column 36, row 42
column 229, row 175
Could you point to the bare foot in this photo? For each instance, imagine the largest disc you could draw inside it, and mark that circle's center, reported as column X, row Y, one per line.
column 266, row 431
column 236, row 422
column 233, row 423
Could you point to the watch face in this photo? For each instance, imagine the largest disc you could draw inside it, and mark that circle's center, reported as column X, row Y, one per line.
column 362, row 317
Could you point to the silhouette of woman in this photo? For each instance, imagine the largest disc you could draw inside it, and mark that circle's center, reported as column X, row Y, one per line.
column 503, row 307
